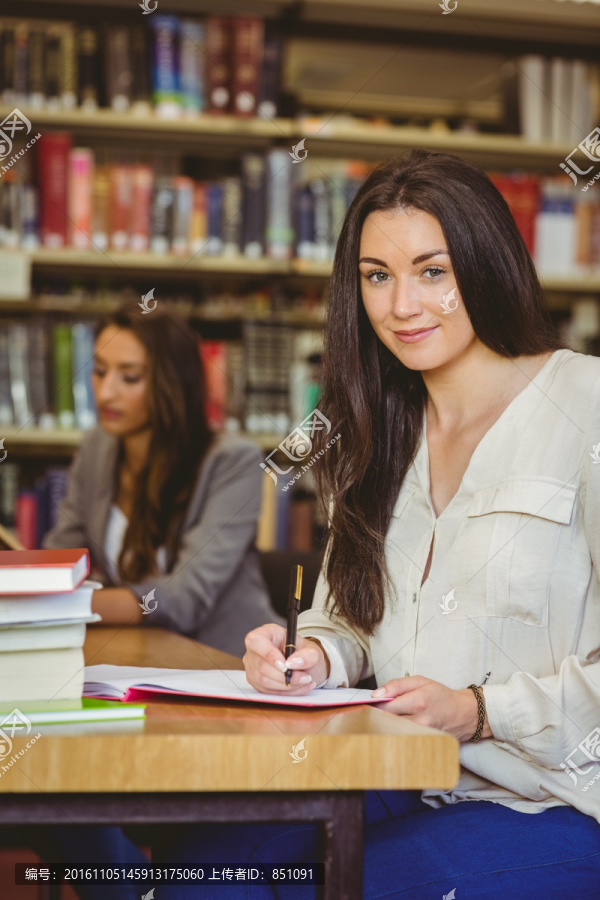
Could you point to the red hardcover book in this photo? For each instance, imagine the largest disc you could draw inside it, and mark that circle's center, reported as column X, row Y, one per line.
column 247, row 42
column 218, row 64
column 27, row 514
column 53, row 169
column 522, row 193
column 43, row 571
column 214, row 360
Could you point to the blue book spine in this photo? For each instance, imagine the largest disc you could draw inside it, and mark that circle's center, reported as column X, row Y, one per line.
column 214, row 195
column 305, row 223
column 192, row 52
column 165, row 63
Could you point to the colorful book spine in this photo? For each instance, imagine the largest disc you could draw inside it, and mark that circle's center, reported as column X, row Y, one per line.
column 89, row 68
column 279, row 232
column 218, row 70
column 247, row 53
column 268, row 94
column 199, row 223
column 232, row 216
column 53, row 165
column 82, row 342
column 62, row 360
column 214, row 360
column 253, row 205
column 192, row 50
column 26, row 519
column 120, row 207
column 183, row 204
column 80, row 194
column 214, row 194
column 142, row 181
column 118, row 68
column 165, row 66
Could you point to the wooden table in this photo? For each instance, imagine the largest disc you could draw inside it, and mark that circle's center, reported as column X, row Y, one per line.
column 207, row 761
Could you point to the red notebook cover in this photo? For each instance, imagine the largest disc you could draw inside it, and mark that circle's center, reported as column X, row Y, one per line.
column 19, row 570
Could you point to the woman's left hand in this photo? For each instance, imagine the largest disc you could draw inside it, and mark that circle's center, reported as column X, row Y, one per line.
column 428, row 702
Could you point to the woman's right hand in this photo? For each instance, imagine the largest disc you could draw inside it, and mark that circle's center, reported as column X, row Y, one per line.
column 265, row 663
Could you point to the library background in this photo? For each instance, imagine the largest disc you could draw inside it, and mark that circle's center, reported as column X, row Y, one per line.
column 201, row 155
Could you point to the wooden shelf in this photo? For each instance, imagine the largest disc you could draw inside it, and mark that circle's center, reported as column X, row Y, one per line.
column 127, row 261
column 239, row 265
column 65, row 441
column 326, row 136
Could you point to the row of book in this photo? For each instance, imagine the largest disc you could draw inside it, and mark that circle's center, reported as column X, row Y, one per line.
column 556, row 98
column 45, row 374
column 559, row 222
column 30, row 508
column 272, row 208
column 178, row 66
column 261, row 383
column 29, row 511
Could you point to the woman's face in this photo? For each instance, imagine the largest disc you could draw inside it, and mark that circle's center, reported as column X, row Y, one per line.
column 119, row 380
column 408, row 285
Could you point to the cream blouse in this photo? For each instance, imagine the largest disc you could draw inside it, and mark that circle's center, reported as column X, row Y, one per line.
column 513, row 590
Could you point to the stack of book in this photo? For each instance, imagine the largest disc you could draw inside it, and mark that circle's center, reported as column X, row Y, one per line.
column 45, row 604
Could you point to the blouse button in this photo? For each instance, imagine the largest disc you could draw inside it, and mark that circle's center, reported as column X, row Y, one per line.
column 414, row 598
column 407, row 674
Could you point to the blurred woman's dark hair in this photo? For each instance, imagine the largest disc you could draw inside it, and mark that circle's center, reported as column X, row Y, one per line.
column 181, row 436
column 376, row 402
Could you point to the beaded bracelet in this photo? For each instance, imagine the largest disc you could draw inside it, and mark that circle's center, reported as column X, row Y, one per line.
column 480, row 711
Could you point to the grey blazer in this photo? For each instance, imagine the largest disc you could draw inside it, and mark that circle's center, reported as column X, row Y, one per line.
column 214, row 591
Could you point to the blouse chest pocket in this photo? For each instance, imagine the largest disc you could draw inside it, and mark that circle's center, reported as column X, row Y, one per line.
column 505, row 550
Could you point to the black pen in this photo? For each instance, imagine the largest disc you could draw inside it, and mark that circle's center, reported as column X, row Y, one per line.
column 293, row 608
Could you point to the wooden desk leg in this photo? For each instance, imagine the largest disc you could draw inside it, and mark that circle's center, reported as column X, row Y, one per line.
column 344, row 848
column 339, row 812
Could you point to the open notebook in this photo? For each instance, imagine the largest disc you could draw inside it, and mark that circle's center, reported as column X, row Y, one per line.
column 132, row 683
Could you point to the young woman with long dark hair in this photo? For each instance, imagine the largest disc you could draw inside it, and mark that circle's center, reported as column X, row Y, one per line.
column 462, row 567
column 166, row 506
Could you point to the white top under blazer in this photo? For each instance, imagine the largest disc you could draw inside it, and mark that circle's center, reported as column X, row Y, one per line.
column 513, row 589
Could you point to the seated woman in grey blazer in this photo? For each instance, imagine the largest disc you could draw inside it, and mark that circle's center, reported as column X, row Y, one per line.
column 167, row 507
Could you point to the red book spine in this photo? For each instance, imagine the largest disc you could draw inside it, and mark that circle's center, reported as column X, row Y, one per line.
column 218, row 68
column 27, row 513
column 81, row 170
column 214, row 361
column 53, row 170
column 248, row 39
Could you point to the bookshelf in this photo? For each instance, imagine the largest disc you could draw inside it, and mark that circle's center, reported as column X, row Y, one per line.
column 63, row 442
column 333, row 131
column 329, row 138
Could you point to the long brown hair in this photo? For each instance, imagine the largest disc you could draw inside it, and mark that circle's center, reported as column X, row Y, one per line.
column 376, row 402
column 181, row 436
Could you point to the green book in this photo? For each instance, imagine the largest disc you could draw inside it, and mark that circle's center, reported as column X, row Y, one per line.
column 85, row 709
column 62, row 361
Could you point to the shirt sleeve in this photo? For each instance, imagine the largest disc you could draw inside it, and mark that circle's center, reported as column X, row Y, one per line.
column 347, row 649
column 213, row 547
column 547, row 718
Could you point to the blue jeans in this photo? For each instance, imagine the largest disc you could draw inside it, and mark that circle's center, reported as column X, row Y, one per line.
column 484, row 850
column 412, row 852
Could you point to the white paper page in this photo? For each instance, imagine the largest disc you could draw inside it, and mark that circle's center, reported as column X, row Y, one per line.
column 228, row 684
